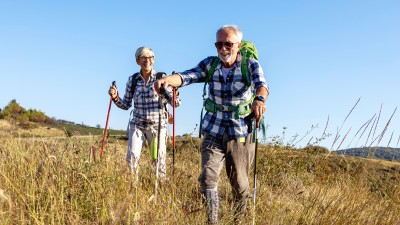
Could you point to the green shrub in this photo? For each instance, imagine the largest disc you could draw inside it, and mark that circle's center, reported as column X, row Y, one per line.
column 37, row 116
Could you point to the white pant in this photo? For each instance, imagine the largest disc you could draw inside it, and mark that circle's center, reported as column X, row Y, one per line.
column 137, row 137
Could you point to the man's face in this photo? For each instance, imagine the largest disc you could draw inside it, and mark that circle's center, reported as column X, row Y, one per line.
column 146, row 61
column 227, row 46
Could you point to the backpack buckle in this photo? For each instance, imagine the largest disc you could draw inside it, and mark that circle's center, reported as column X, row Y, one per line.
column 225, row 108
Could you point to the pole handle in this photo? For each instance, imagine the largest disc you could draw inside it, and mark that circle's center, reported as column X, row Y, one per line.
column 249, row 117
column 164, row 94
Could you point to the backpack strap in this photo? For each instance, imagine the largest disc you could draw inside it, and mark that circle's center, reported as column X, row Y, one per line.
column 159, row 75
column 241, row 109
column 210, row 73
column 135, row 78
column 245, row 70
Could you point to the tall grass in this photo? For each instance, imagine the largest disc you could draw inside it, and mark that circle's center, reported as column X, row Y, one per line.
column 53, row 181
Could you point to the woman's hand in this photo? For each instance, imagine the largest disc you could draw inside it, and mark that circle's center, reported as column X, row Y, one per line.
column 113, row 92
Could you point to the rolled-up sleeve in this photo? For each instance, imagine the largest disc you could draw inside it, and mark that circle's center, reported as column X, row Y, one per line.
column 257, row 75
column 197, row 74
column 126, row 102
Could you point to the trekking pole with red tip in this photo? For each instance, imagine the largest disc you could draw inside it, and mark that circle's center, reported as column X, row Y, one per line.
column 105, row 128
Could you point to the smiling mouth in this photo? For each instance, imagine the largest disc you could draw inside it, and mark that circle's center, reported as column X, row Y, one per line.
column 225, row 53
column 225, row 56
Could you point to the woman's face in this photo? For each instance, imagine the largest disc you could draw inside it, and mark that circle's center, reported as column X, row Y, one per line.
column 146, row 61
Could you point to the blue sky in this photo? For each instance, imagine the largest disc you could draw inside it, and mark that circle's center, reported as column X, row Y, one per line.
column 319, row 58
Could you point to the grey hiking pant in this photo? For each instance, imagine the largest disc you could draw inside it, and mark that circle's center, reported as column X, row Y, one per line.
column 238, row 156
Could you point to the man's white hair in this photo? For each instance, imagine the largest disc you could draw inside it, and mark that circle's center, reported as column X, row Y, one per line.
column 235, row 28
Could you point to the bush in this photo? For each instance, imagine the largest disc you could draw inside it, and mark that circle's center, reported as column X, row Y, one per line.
column 22, row 119
column 37, row 116
column 28, row 125
column 315, row 149
column 68, row 133
column 14, row 112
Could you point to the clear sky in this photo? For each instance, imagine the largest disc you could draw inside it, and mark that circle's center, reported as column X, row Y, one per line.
column 319, row 58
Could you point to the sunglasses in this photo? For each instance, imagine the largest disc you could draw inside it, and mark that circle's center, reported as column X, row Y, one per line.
column 219, row 44
column 144, row 58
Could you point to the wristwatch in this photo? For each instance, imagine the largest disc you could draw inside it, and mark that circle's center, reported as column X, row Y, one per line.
column 259, row 98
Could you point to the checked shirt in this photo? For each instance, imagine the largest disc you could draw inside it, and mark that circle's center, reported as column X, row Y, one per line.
column 145, row 100
column 229, row 92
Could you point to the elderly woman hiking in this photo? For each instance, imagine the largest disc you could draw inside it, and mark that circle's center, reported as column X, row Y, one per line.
column 146, row 113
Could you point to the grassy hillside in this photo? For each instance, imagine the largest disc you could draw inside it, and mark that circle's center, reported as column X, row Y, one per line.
column 373, row 152
column 58, row 181
column 17, row 121
column 57, row 129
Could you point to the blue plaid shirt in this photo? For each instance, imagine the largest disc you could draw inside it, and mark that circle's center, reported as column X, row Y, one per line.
column 230, row 92
column 145, row 100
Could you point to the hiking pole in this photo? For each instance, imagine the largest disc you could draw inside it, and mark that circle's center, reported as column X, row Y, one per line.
column 160, row 110
column 173, row 130
column 255, row 174
column 105, row 128
column 249, row 120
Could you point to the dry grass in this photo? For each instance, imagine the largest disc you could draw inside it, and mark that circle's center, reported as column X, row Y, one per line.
column 52, row 181
column 5, row 125
column 8, row 130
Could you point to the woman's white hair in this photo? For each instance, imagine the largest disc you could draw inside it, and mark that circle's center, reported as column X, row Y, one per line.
column 140, row 50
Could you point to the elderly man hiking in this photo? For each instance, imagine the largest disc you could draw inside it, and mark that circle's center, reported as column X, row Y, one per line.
column 226, row 135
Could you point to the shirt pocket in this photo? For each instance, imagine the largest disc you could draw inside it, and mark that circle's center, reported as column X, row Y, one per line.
column 137, row 92
column 238, row 85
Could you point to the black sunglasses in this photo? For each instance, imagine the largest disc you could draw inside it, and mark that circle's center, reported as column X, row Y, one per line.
column 227, row 44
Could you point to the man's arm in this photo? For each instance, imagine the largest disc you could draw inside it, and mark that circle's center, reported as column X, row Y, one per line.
column 258, row 107
column 263, row 92
column 173, row 80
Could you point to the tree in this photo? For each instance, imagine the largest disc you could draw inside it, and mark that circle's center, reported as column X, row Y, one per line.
column 13, row 110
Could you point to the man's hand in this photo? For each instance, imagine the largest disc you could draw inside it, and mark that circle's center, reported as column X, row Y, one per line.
column 160, row 83
column 173, row 80
column 258, row 108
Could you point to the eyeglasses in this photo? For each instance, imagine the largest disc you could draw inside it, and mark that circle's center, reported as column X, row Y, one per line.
column 144, row 58
column 227, row 44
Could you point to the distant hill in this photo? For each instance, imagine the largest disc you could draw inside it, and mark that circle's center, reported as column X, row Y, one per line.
column 17, row 121
column 372, row 152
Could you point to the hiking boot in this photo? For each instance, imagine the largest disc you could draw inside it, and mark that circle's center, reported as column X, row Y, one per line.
column 212, row 202
column 240, row 210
